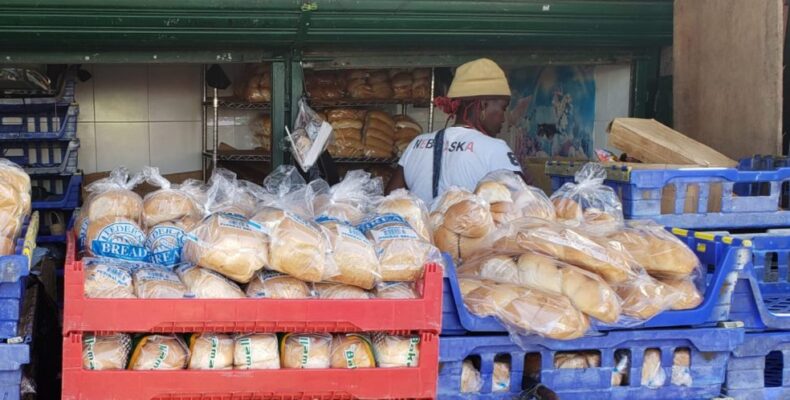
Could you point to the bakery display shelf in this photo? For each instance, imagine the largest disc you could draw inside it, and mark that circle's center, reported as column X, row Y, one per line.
column 365, row 103
column 365, row 160
column 236, row 104
column 240, row 155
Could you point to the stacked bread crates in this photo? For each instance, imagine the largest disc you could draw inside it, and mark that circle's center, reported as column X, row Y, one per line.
column 420, row 317
column 753, row 197
column 40, row 134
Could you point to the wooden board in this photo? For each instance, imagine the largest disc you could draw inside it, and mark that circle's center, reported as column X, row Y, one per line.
column 652, row 142
column 728, row 74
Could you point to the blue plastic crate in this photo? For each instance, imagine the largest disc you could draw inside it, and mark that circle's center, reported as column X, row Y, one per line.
column 12, row 358
column 704, row 198
column 13, row 272
column 764, row 163
column 709, row 349
column 723, row 256
column 759, row 369
column 37, row 119
column 62, row 192
column 47, row 157
column 45, row 236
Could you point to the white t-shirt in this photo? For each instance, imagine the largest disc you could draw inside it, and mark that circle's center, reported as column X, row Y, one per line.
column 468, row 156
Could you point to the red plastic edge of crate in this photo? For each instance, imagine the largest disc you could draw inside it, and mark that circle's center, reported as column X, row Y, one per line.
column 369, row 383
column 83, row 314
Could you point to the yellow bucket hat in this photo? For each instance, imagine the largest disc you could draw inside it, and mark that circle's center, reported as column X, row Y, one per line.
column 481, row 77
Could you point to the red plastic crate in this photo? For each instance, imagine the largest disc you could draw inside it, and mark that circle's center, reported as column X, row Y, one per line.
column 368, row 383
column 83, row 314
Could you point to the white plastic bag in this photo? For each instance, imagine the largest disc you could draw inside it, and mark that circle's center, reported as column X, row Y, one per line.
column 113, row 197
column 106, row 278
column 588, row 201
column 349, row 200
column 310, row 136
column 402, row 253
column 510, row 198
column 169, row 203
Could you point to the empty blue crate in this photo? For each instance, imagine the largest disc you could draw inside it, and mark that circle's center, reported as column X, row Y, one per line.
column 708, row 350
column 697, row 198
column 722, row 257
column 56, row 191
column 759, row 369
column 12, row 358
column 37, row 120
column 43, row 157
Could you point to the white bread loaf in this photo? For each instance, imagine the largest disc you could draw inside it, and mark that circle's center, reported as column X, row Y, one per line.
column 410, row 208
column 351, row 350
column 159, row 352
column 104, row 353
column 12, row 201
column 341, row 291
column 306, row 350
column 681, row 361
column 152, row 282
column 116, row 203
column 493, row 192
column 459, row 247
column 167, row 205
column 274, row 285
column 644, row 297
column 7, row 245
column 256, row 351
column 661, row 254
column 469, row 218
column 116, row 237
column 688, row 295
column 577, row 360
column 402, row 254
column 227, row 244
column 396, row 290
column 211, row 351
column 396, row 351
column 207, row 284
column 105, row 280
column 353, row 254
column 468, row 285
column 14, row 176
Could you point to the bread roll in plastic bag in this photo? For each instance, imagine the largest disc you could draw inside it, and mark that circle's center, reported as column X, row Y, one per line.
column 348, row 201
column 228, row 244
column 471, row 382
column 501, row 378
column 653, row 375
column 589, row 201
column 12, row 175
column 154, row 282
column 410, row 208
column 402, row 254
column 577, row 360
column 341, row 291
column 211, row 351
column 644, row 297
column 588, row 292
column 689, row 296
column 396, row 290
column 351, row 351
column 661, row 253
column 306, row 350
column 10, row 224
column 108, row 279
column 510, row 198
column 286, row 189
column 226, row 194
column 459, row 247
column 256, row 351
column 275, row 285
column 169, row 203
column 113, row 197
column 353, row 254
column 206, row 284
column 463, row 213
column 681, row 373
column 106, row 352
column 159, row 352
column 7, row 246
column 116, row 237
column 164, row 243
column 396, row 351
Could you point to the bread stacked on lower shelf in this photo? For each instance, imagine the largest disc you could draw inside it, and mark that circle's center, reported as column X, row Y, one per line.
column 379, row 135
column 256, row 85
column 347, row 129
column 406, row 129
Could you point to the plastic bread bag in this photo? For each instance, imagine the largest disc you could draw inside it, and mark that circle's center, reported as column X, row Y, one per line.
column 510, row 198
column 411, row 208
column 589, row 201
column 164, row 243
column 286, row 189
column 106, row 352
column 116, row 237
column 501, row 378
column 526, row 311
column 226, row 194
column 463, row 213
column 351, row 351
column 206, row 284
column 353, row 254
column 396, row 290
column 297, row 247
column 653, row 375
column 402, row 253
column 588, row 292
column 168, row 203
column 107, row 278
column 689, row 297
column 256, row 351
column 15, row 177
column 341, row 291
column 471, row 382
column 159, row 352
column 275, row 285
column 394, row 351
column 661, row 253
column 577, row 360
column 153, row 282
column 113, row 197
column 349, row 200
column 306, row 350
column 681, row 373
column 310, row 136
column 211, row 351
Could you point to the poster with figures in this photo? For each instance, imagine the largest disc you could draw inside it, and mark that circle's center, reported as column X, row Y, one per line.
column 551, row 113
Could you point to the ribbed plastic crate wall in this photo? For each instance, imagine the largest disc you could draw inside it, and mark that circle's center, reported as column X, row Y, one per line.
column 759, row 369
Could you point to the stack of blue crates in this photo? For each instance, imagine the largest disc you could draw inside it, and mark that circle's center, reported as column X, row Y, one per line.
column 40, row 134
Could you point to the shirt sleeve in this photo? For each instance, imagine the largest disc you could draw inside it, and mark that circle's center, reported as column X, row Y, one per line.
column 502, row 157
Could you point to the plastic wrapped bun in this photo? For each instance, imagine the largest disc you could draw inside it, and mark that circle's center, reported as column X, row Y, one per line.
column 103, row 353
column 353, row 254
column 402, row 254
column 168, row 203
column 347, row 201
column 589, row 201
column 113, row 197
column 340, row 291
column 159, row 352
column 396, row 351
column 274, row 285
column 644, row 297
column 688, row 295
column 510, row 198
column 660, row 253
column 464, row 213
column 298, row 247
column 410, row 208
column 105, row 279
column 116, row 237
column 471, row 382
column 352, row 351
column 396, row 290
column 151, row 282
column 468, row 285
column 459, row 247
column 211, row 351
column 256, row 351
column 227, row 244
column 306, row 350
column 207, row 284
column 15, row 177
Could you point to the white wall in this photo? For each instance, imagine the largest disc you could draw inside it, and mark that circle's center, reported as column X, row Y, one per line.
column 612, row 99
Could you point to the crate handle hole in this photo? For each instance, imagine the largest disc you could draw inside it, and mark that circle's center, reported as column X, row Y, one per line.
column 774, row 365
column 532, row 371
column 681, row 367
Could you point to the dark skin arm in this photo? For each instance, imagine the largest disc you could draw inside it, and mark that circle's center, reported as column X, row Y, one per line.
column 397, row 181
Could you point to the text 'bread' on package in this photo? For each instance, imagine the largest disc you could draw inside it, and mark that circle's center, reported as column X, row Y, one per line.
column 402, row 253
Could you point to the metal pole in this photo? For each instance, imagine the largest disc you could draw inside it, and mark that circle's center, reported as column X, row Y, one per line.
column 216, row 132
column 430, row 106
column 204, row 128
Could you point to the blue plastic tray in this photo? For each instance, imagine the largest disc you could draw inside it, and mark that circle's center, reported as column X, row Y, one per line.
column 37, row 119
column 12, row 358
column 43, row 157
column 709, row 348
column 760, row 367
column 64, row 189
column 13, row 272
column 641, row 192
column 722, row 255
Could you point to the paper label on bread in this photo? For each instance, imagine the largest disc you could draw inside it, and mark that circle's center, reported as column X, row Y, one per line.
column 118, row 275
column 123, row 240
column 164, row 242
column 400, row 230
column 88, row 353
